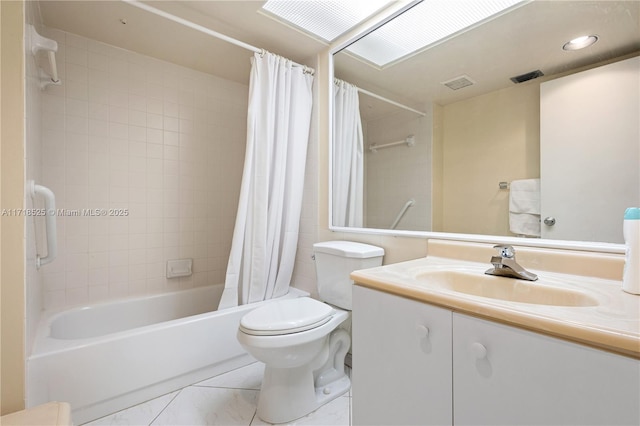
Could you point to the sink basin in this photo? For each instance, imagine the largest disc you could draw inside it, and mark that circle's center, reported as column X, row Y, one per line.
column 509, row 289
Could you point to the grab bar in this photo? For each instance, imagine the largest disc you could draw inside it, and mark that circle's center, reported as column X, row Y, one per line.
column 403, row 210
column 50, row 223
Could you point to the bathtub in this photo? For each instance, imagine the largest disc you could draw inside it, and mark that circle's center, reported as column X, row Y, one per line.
column 110, row 356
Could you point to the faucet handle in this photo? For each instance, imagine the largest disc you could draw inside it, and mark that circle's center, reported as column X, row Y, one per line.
column 506, row 251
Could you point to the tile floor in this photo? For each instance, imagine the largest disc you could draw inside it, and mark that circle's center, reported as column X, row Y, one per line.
column 228, row 399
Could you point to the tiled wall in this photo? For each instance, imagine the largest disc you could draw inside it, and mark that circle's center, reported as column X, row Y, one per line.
column 33, row 170
column 398, row 174
column 162, row 143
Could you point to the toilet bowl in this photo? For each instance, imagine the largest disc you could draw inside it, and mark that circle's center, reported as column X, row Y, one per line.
column 300, row 341
column 304, row 360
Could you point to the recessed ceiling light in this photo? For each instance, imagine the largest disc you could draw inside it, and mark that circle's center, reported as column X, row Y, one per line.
column 580, row 42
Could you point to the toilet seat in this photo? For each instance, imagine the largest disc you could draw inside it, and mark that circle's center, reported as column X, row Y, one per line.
column 286, row 317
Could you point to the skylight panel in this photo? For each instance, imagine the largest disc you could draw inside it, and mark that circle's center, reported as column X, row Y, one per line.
column 424, row 25
column 326, row 20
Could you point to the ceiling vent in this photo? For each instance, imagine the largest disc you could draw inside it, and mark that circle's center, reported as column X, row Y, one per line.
column 526, row 77
column 458, row 82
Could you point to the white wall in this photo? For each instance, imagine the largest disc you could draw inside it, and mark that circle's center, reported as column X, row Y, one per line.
column 163, row 142
column 485, row 140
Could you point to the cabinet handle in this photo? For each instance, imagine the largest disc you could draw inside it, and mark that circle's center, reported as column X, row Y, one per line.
column 422, row 330
column 479, row 350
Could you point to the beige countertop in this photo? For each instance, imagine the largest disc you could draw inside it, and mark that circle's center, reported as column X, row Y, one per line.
column 612, row 322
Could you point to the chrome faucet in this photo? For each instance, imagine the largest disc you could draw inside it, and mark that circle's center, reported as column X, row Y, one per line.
column 504, row 265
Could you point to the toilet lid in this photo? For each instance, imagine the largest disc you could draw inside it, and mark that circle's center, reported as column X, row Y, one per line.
column 286, row 317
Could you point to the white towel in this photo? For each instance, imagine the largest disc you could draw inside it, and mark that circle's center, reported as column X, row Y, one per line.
column 524, row 224
column 524, row 196
column 524, row 207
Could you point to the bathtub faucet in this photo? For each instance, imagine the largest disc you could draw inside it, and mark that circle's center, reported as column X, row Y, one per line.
column 504, row 265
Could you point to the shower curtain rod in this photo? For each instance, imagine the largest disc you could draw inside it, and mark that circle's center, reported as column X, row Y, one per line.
column 204, row 30
column 389, row 101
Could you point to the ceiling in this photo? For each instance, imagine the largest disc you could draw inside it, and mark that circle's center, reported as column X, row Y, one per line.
column 525, row 39
column 528, row 38
column 161, row 38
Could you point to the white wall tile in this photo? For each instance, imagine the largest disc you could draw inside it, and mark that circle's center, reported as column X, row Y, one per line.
column 75, row 55
column 98, row 91
column 76, row 72
column 98, row 293
column 171, row 138
column 154, row 136
column 98, row 128
column 132, row 132
column 154, row 121
column 53, row 281
column 76, row 89
column 77, row 296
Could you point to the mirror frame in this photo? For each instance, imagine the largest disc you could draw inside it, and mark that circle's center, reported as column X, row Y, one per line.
column 338, row 45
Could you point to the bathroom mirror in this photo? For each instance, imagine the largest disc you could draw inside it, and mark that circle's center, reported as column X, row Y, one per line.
column 448, row 160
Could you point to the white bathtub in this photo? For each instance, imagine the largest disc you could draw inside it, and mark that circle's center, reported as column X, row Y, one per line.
column 107, row 357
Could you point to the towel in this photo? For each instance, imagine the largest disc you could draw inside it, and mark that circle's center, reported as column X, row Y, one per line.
column 524, row 207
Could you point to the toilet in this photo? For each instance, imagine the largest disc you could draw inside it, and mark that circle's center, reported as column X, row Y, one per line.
column 300, row 341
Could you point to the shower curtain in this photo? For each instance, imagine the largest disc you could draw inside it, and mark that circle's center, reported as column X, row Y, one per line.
column 348, row 158
column 265, row 236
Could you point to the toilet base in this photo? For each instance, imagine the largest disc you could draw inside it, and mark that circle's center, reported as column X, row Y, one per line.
column 296, row 387
column 290, row 393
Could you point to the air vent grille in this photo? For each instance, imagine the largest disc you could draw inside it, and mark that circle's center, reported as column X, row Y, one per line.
column 526, row 77
column 458, row 82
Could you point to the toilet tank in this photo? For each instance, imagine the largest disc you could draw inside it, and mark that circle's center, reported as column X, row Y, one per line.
column 335, row 260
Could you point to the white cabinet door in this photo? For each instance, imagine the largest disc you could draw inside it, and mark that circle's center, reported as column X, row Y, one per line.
column 508, row 376
column 401, row 361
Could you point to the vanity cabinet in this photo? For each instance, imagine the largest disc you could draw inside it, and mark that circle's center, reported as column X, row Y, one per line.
column 401, row 361
column 510, row 376
column 470, row 371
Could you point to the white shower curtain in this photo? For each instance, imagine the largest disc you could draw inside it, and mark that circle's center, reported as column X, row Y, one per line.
column 348, row 157
column 266, row 231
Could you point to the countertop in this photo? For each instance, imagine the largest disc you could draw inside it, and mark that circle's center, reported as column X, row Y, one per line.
column 613, row 324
